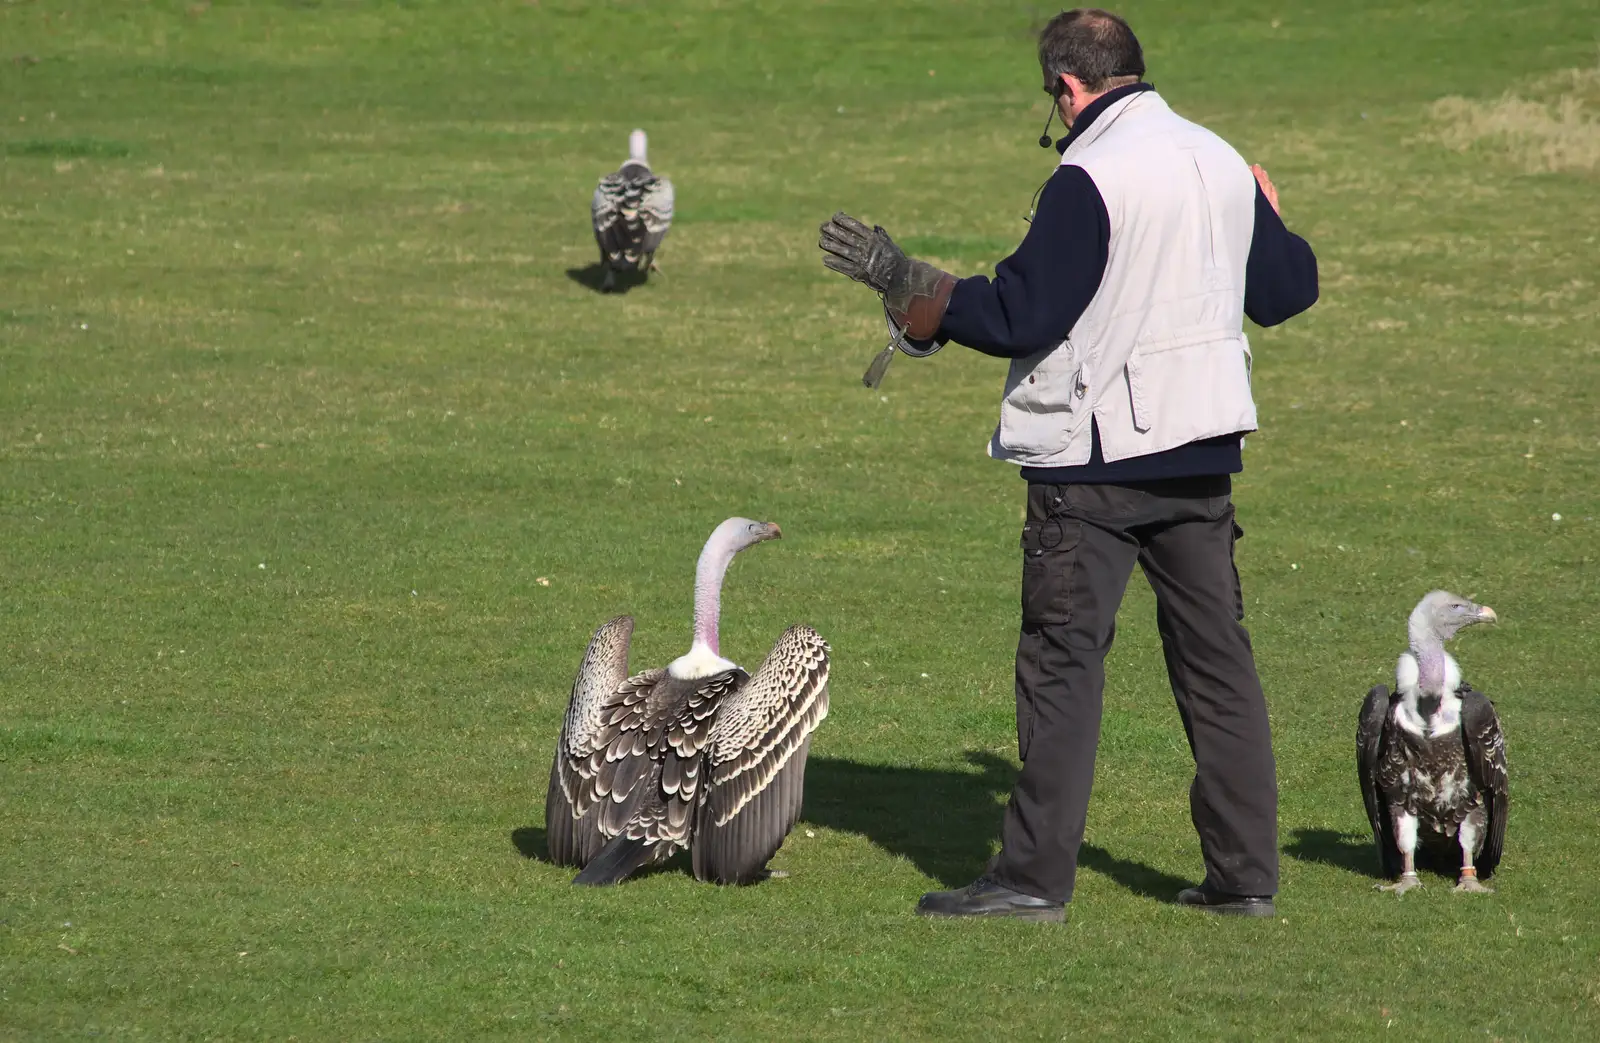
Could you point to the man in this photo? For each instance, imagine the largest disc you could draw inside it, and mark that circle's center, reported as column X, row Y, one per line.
column 1128, row 395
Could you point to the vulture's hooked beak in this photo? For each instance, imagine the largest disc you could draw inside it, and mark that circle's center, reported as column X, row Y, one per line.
column 1486, row 615
column 774, row 533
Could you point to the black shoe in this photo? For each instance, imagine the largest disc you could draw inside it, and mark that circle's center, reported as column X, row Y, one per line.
column 984, row 897
column 1223, row 904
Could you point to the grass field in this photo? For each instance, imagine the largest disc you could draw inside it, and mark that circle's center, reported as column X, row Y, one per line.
column 320, row 460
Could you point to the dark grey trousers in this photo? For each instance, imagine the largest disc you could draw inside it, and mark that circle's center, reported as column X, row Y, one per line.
column 1079, row 546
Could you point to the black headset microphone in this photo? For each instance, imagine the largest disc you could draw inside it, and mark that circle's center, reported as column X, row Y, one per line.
column 1055, row 97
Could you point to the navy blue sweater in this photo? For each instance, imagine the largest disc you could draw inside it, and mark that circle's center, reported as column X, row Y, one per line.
column 1040, row 291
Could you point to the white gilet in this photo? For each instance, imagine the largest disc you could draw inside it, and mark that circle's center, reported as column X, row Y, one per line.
column 1159, row 358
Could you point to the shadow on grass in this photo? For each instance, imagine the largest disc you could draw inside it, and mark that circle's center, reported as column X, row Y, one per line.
column 594, row 276
column 1137, row 877
column 1330, row 847
column 945, row 822
column 529, row 842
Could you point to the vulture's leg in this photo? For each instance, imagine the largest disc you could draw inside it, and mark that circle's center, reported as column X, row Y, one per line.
column 650, row 264
column 1405, row 837
column 608, row 283
column 1468, row 834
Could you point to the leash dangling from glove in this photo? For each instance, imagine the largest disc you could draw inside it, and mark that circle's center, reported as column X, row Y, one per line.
column 915, row 293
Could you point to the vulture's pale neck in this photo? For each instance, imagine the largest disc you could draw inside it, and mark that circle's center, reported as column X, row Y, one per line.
column 636, row 147
column 1428, row 647
column 719, row 550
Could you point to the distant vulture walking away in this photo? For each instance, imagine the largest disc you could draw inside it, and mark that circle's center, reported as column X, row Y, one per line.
column 632, row 211
column 700, row 755
column 1431, row 757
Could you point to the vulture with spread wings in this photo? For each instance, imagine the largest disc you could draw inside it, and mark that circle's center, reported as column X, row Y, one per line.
column 699, row 755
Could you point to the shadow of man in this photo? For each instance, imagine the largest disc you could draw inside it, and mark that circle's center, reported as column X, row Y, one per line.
column 946, row 822
column 1141, row 879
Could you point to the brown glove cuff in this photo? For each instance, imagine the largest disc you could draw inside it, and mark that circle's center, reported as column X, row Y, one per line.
column 921, row 310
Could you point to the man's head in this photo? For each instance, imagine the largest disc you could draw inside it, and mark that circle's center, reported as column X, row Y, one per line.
column 1085, row 52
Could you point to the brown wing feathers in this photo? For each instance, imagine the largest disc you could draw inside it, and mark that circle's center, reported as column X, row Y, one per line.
column 1486, row 765
column 756, row 759
column 737, row 851
column 760, row 728
column 1369, row 741
column 572, row 833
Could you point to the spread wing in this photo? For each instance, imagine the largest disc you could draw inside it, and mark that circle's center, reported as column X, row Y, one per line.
column 1369, row 741
column 655, row 210
column 1486, row 764
column 755, row 760
column 572, row 833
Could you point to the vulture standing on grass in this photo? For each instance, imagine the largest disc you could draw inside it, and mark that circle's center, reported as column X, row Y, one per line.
column 632, row 211
column 1431, row 757
column 699, row 755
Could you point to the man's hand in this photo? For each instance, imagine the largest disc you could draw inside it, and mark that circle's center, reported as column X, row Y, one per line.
column 866, row 255
column 915, row 292
column 1267, row 188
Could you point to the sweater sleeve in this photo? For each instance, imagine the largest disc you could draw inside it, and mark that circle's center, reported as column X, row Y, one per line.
column 1040, row 291
column 1280, row 275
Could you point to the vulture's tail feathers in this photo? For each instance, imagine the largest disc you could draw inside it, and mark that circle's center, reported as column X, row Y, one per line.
column 613, row 864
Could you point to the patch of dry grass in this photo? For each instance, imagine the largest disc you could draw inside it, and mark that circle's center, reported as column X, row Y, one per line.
column 1558, row 129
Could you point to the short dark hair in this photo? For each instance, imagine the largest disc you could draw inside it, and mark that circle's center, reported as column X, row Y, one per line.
column 1096, row 46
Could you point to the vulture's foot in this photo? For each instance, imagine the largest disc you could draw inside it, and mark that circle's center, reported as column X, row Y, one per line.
column 608, row 283
column 1406, row 882
column 1470, row 884
column 773, row 874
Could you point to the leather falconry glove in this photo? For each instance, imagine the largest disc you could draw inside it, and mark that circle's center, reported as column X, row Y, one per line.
column 915, row 292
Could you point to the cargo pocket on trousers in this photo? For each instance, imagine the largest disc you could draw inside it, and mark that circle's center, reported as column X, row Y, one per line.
column 1049, row 552
column 1238, row 588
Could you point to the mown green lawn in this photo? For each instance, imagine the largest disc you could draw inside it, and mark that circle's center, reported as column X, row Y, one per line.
column 320, row 461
